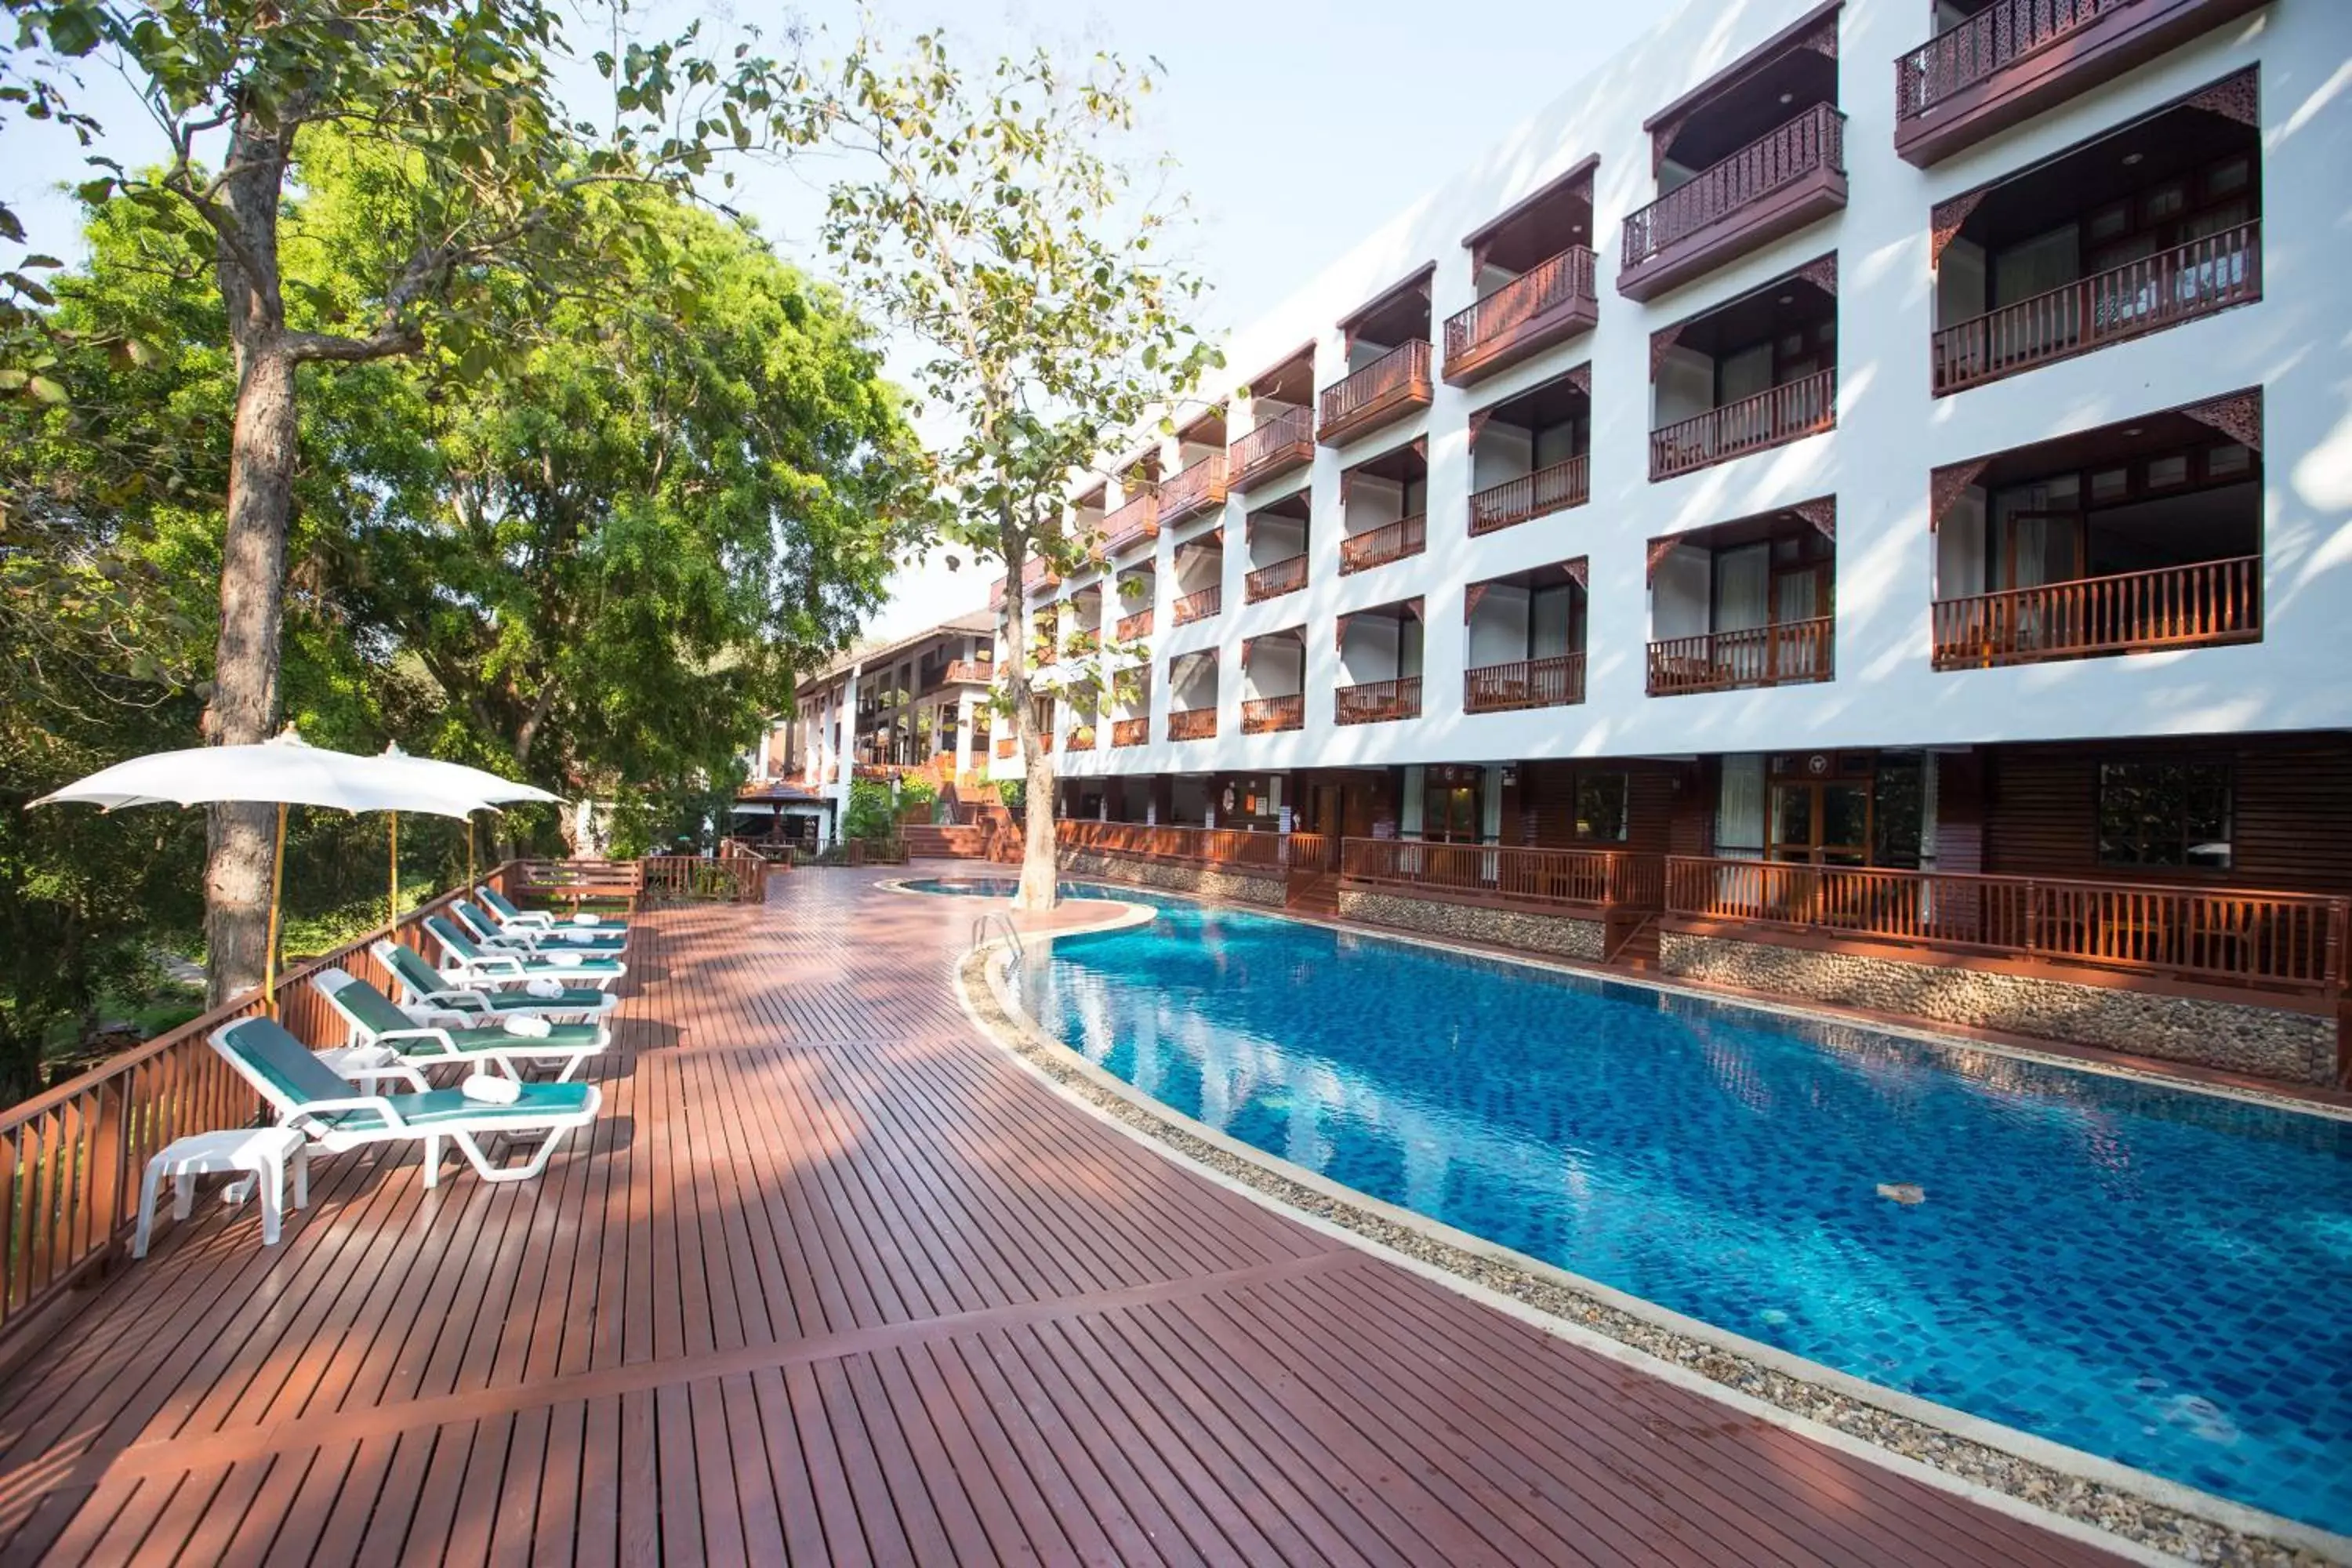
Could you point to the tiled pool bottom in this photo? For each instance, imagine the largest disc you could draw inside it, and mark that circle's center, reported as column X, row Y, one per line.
column 2137, row 1271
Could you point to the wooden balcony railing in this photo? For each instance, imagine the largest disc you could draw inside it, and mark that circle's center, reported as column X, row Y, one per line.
column 1138, row 624
column 1969, row 51
column 1266, row 715
column 1396, row 379
column 2288, row 940
column 1042, row 740
column 1132, row 524
column 1191, row 723
column 1130, row 731
column 1532, row 683
column 1373, row 701
column 1540, row 290
column 1008, row 746
column 972, row 670
column 1195, row 490
column 2208, row 604
column 1772, row 418
column 1281, row 444
column 1606, row 878
column 1379, row 546
column 1272, row 581
column 1198, row 605
column 1813, row 139
column 2203, row 276
column 1080, row 739
column 1204, row 846
column 1781, row 655
column 1555, row 489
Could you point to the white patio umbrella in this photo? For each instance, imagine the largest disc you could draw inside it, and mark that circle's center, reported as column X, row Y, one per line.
column 457, row 779
column 283, row 772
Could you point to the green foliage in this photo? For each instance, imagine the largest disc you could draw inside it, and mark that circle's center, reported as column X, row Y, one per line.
column 870, row 814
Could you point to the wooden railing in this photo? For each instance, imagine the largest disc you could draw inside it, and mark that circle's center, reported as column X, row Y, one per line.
column 1265, row 715
column 1008, row 746
column 1136, row 522
column 1404, row 366
column 2206, row 605
column 1130, row 731
column 1202, row 845
column 1777, row 415
column 2290, row 941
column 574, row 882
column 2205, row 275
column 1373, row 701
column 1191, row 723
column 968, row 669
column 1813, row 139
column 1080, row 739
column 1379, row 546
column 1784, row 654
column 1545, row 286
column 1138, row 624
column 1969, row 51
column 1273, row 581
column 1193, row 489
column 738, row 874
column 1554, row 489
column 1610, row 878
column 1198, row 605
column 1289, row 436
column 1532, row 683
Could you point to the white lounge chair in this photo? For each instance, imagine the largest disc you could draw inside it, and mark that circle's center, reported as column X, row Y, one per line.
column 429, row 998
column 375, row 1020
column 486, row 929
column 469, row 962
column 307, row 1095
column 514, row 916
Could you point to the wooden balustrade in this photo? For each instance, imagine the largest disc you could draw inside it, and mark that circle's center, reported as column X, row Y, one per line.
column 1281, row 444
column 1379, row 546
column 1375, row 701
column 2205, row 275
column 1081, row 738
column 1008, row 746
column 1273, row 581
column 976, row 672
column 1548, row 489
column 1533, row 309
column 1396, row 381
column 1203, row 846
column 1265, row 715
column 1131, row 628
column 1814, row 140
column 2287, row 941
column 1191, row 723
column 2207, row 605
column 1130, row 731
column 1772, row 418
column 1193, row 490
column 1552, row 682
column 1779, row 654
column 1606, row 878
column 738, row 874
column 1132, row 524
column 1198, row 605
column 1972, row 50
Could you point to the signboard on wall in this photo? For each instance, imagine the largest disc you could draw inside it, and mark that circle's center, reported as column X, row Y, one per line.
column 1285, row 820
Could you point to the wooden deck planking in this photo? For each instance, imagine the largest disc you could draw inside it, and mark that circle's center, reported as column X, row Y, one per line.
column 834, row 1280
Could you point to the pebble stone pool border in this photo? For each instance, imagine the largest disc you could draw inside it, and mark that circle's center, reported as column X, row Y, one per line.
column 2060, row 1486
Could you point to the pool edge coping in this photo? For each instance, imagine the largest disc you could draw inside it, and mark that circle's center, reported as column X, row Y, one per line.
column 1026, row 1040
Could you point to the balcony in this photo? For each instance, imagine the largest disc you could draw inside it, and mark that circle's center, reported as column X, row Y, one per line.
column 1556, row 682
column 1391, row 387
column 1788, row 654
column 1793, row 175
column 1545, row 306
column 1006, row 746
column 1377, row 701
column 1134, row 523
column 1273, row 581
column 967, row 672
column 2162, row 290
column 1379, row 546
column 1772, row 418
column 1130, row 731
column 1198, row 605
column 1273, row 450
column 1133, row 627
column 1192, row 724
column 1081, row 738
column 1514, row 501
column 2017, row 57
column 1193, row 491
column 1269, row 715
column 2209, row 604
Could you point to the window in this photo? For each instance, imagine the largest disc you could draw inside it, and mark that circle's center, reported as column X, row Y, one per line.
column 2164, row 813
column 1600, row 807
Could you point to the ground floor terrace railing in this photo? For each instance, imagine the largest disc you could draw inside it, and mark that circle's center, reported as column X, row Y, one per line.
column 1201, row 846
column 1265, row 715
column 1605, row 878
column 1379, row 546
column 738, row 874
column 1771, row 418
column 1530, row 683
column 2293, row 941
column 1779, row 654
column 1548, row 489
column 1372, row 701
column 2201, row 606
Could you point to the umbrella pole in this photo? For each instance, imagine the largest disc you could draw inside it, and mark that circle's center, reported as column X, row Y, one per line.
column 276, row 882
column 469, row 850
column 392, row 909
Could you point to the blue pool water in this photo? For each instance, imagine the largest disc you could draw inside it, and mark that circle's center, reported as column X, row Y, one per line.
column 2155, row 1276
column 999, row 888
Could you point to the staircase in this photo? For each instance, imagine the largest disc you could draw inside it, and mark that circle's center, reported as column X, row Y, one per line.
column 1634, row 945
column 931, row 841
column 1315, row 894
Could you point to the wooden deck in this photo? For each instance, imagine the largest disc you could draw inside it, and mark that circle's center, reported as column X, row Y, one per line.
column 837, row 1281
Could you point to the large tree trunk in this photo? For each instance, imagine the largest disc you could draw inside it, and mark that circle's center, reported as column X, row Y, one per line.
column 1040, row 870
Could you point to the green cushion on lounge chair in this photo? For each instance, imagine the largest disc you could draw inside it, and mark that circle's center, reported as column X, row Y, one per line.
column 507, row 911
column 374, row 1014
column 469, row 952
column 606, row 942
column 538, row 1100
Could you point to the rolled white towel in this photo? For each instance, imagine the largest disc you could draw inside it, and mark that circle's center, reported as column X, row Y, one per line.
column 543, row 986
column 492, row 1090
column 581, row 938
column 587, row 919
column 537, row 1028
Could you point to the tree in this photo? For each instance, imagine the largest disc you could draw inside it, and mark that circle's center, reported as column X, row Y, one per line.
column 499, row 194
column 991, row 222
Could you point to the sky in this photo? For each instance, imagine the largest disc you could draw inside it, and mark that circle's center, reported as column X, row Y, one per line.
column 1296, row 127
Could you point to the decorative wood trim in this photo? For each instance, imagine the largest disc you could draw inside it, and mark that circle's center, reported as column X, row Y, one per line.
column 1580, row 572
column 2239, row 416
column 1948, row 218
column 1420, row 445
column 1418, row 608
column 1661, row 341
column 1339, row 633
column 1470, row 597
column 1822, row 513
column 1478, row 422
column 1659, row 549
column 2235, row 97
column 1822, row 273
column 1581, row 378
column 1944, row 486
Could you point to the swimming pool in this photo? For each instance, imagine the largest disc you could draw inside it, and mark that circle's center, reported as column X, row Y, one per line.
column 2141, row 1272
column 999, row 887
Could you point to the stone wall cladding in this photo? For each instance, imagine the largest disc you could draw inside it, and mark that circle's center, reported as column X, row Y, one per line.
column 1173, row 877
column 1561, row 935
column 2236, row 1038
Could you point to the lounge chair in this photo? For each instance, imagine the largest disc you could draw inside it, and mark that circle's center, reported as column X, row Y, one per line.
column 487, row 931
column 307, row 1094
column 513, row 917
column 376, row 1020
column 429, row 998
column 467, row 962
